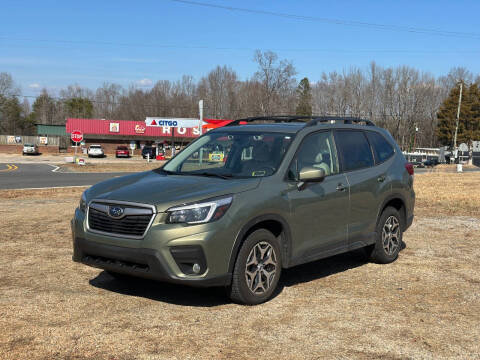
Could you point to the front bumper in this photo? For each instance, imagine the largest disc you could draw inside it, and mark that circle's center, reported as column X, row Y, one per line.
column 145, row 263
column 166, row 253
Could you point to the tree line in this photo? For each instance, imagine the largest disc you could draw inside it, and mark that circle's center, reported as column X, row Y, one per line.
column 401, row 99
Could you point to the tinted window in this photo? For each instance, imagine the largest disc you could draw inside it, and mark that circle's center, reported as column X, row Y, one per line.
column 354, row 149
column 381, row 147
column 318, row 151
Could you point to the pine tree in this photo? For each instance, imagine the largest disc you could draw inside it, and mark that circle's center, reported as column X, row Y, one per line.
column 304, row 94
column 469, row 121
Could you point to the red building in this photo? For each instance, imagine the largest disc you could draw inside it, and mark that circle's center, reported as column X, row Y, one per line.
column 112, row 133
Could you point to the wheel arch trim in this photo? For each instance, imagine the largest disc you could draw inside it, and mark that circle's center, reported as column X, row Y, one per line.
column 285, row 238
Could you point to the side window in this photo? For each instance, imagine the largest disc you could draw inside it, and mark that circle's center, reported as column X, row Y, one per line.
column 381, row 147
column 354, row 149
column 317, row 150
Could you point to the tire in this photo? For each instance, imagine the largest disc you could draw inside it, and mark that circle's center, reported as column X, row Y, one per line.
column 262, row 250
column 388, row 242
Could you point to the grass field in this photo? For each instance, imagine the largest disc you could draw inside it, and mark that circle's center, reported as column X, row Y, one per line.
column 124, row 166
column 426, row 305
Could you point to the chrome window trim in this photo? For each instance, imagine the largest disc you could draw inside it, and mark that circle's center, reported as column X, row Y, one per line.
column 117, row 202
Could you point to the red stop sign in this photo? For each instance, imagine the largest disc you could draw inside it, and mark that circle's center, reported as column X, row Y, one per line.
column 76, row 136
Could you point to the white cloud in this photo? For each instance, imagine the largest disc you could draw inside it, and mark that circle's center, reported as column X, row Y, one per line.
column 145, row 83
column 34, row 86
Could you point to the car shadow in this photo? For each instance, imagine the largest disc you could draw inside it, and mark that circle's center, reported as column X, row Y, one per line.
column 208, row 297
column 154, row 290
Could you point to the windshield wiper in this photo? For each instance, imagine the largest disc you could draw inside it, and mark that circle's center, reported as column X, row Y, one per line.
column 168, row 172
column 210, row 174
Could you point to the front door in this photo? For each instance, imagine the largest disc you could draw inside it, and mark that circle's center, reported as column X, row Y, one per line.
column 319, row 211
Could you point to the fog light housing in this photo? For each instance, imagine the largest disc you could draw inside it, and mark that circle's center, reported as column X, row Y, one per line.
column 190, row 259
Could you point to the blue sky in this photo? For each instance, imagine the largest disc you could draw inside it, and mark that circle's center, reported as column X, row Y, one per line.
column 56, row 43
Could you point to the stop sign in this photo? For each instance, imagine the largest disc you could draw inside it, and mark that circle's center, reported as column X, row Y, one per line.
column 76, row 136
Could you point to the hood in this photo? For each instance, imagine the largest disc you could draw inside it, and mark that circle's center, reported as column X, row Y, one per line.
column 165, row 191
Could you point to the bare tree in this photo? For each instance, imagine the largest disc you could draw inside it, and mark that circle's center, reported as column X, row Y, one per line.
column 277, row 80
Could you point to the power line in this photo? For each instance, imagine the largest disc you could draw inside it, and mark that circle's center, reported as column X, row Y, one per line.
column 202, row 47
column 354, row 23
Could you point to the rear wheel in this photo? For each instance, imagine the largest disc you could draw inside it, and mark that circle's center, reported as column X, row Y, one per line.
column 388, row 237
column 257, row 269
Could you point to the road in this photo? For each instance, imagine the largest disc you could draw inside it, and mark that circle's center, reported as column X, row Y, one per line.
column 20, row 176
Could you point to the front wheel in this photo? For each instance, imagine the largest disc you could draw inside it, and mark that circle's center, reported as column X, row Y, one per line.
column 257, row 269
column 388, row 237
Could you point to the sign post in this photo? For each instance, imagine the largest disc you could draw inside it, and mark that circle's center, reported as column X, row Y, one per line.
column 76, row 137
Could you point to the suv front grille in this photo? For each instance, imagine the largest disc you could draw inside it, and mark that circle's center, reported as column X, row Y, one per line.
column 133, row 221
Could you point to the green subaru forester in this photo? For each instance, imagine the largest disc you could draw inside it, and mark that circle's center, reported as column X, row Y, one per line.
column 245, row 201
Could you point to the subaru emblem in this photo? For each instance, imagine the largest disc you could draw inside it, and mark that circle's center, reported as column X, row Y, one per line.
column 115, row 211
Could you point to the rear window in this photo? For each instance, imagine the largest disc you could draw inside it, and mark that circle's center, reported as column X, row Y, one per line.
column 354, row 150
column 95, row 147
column 381, row 147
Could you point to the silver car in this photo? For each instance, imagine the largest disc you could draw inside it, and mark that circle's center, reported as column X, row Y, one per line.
column 30, row 149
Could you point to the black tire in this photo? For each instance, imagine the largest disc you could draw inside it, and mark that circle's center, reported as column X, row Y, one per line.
column 239, row 290
column 385, row 250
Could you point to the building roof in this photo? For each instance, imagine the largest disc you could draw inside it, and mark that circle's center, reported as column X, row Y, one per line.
column 50, row 130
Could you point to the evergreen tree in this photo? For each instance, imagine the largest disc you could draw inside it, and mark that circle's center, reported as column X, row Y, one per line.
column 469, row 121
column 78, row 107
column 44, row 109
column 304, row 95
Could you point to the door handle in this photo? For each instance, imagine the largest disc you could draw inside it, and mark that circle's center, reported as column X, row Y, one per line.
column 341, row 187
column 381, row 178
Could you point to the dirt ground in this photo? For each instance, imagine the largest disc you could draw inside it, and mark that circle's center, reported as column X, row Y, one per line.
column 426, row 305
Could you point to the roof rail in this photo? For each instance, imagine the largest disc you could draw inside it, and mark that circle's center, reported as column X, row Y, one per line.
column 275, row 119
column 335, row 119
column 313, row 120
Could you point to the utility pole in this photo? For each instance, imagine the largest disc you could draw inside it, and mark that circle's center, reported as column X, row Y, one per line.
column 458, row 119
column 200, row 124
column 200, row 113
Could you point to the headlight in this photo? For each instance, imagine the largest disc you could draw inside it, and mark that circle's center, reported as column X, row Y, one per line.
column 83, row 202
column 203, row 212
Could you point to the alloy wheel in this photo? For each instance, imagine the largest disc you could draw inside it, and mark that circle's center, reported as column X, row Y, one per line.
column 391, row 235
column 261, row 267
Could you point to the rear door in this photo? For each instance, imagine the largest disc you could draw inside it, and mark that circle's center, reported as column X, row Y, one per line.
column 317, row 212
column 368, row 184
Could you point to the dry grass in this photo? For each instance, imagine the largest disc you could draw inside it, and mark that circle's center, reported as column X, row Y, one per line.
column 132, row 166
column 451, row 167
column 47, row 193
column 448, row 194
column 426, row 305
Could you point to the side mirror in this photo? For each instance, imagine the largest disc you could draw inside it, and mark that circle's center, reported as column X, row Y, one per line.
column 310, row 174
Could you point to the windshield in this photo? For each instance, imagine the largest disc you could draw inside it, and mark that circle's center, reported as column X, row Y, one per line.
column 95, row 147
column 232, row 155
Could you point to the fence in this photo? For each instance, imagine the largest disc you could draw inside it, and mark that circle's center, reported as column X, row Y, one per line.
column 38, row 140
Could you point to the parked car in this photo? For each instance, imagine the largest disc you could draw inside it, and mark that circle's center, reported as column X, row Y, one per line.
column 430, row 163
column 95, row 151
column 30, row 149
column 289, row 193
column 122, row 151
column 149, row 150
column 418, row 164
